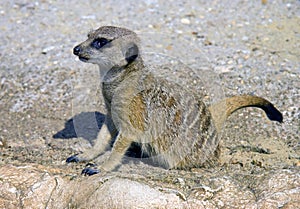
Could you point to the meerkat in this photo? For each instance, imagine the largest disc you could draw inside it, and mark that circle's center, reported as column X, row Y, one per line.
column 172, row 124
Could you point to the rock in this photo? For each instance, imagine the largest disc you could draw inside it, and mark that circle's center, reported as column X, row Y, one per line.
column 35, row 186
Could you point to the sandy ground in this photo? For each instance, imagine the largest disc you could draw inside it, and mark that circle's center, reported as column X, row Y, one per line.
column 48, row 99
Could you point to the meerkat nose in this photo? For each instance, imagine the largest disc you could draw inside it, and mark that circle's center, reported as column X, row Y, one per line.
column 76, row 50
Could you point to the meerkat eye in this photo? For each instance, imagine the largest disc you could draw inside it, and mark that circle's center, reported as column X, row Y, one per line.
column 99, row 42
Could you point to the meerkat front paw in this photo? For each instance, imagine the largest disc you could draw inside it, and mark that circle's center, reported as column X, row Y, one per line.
column 82, row 157
column 73, row 159
column 90, row 169
column 86, row 156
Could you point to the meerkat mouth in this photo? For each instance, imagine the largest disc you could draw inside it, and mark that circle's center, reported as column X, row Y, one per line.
column 83, row 59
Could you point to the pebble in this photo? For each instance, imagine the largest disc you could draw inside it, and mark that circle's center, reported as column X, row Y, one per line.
column 185, row 21
column 88, row 17
column 181, row 181
column 48, row 49
column 245, row 38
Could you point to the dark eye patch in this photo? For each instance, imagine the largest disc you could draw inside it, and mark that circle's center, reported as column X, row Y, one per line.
column 99, row 42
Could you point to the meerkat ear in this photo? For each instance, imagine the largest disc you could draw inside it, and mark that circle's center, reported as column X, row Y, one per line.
column 131, row 53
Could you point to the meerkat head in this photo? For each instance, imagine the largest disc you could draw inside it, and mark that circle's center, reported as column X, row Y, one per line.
column 109, row 46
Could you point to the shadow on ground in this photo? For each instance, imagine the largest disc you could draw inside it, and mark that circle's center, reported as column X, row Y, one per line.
column 87, row 126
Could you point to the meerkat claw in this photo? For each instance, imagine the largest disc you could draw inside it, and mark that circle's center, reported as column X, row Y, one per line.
column 89, row 171
column 73, row 159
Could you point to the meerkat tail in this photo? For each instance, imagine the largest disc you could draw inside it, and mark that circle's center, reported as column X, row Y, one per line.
column 234, row 103
column 238, row 102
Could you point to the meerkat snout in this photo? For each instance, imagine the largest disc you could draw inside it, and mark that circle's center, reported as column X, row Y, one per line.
column 76, row 50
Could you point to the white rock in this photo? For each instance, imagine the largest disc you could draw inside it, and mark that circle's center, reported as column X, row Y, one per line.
column 185, row 21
